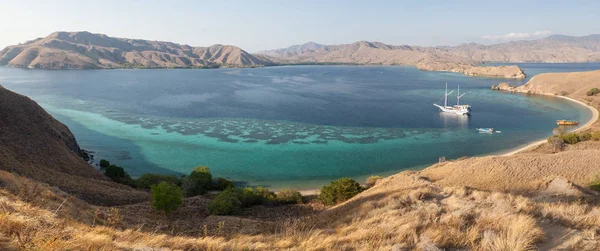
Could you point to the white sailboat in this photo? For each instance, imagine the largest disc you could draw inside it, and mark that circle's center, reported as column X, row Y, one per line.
column 458, row 108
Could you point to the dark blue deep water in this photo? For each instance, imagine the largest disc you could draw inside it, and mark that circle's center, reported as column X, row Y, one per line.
column 294, row 126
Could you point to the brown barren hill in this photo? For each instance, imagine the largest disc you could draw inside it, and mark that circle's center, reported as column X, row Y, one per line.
column 85, row 50
column 34, row 144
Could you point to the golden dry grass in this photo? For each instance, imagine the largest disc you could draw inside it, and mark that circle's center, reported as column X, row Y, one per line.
column 404, row 212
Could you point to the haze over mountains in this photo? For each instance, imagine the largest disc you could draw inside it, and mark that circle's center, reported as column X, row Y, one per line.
column 552, row 49
column 84, row 50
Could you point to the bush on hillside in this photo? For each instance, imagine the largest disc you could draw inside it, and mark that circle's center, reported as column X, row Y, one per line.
column 199, row 181
column 584, row 136
column 149, row 179
column 166, row 197
column 289, row 196
column 104, row 164
column 372, row 180
column 593, row 91
column 339, row 191
column 596, row 136
column 118, row 174
column 254, row 196
column 224, row 184
column 226, row 203
column 570, row 138
column 595, row 186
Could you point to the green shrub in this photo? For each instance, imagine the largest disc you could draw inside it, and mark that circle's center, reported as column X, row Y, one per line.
column 199, row 181
column 596, row 136
column 584, row 136
column 226, row 203
column 224, row 184
column 248, row 197
column 372, row 180
column 593, row 91
column 149, row 179
column 104, row 164
column 264, row 194
column 339, row 191
column 254, row 196
column 166, row 197
column 596, row 186
column 118, row 174
column 570, row 138
column 289, row 196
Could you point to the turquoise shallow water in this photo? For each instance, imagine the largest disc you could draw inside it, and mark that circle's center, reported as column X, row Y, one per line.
column 287, row 126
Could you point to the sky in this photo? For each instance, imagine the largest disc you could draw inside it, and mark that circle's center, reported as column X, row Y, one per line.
column 256, row 25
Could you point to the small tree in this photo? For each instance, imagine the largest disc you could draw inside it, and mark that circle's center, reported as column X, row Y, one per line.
column 339, row 191
column 224, row 184
column 104, row 164
column 289, row 196
column 166, row 197
column 149, row 179
column 226, row 203
column 118, row 174
column 199, row 181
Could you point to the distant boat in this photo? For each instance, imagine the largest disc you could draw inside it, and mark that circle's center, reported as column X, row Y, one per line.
column 458, row 108
column 567, row 122
column 490, row 130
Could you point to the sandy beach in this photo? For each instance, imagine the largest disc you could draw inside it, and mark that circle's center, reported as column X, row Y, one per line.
column 540, row 142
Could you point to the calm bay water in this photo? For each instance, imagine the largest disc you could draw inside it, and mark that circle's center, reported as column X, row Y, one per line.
column 297, row 126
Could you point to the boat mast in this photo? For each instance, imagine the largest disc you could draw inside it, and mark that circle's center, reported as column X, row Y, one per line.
column 446, row 96
column 458, row 96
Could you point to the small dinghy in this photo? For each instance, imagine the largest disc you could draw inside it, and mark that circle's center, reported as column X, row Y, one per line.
column 488, row 130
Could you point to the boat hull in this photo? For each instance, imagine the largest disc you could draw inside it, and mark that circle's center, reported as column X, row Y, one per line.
column 454, row 110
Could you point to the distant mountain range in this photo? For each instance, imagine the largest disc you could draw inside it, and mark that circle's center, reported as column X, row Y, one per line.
column 552, row 49
column 84, row 50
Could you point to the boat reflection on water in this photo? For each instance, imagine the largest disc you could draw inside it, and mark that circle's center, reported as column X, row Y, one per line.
column 454, row 120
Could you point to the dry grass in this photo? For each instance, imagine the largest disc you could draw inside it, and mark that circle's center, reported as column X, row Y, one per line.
column 403, row 211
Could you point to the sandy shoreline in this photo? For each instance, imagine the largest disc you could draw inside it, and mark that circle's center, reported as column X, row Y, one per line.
column 540, row 142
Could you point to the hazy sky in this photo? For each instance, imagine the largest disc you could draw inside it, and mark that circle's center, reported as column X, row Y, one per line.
column 258, row 25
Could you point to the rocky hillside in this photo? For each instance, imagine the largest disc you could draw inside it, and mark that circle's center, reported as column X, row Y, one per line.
column 84, row 50
column 34, row 144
